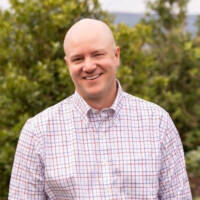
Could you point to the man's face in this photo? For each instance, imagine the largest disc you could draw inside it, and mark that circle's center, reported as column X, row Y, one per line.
column 92, row 60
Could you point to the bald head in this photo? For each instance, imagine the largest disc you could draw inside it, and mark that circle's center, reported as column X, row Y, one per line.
column 88, row 28
column 92, row 59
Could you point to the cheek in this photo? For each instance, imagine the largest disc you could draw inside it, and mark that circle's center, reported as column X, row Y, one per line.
column 113, row 64
column 74, row 71
column 112, row 68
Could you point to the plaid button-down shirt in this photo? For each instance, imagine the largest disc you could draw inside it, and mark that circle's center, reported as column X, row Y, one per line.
column 129, row 151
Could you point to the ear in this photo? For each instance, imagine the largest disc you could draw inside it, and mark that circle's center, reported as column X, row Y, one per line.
column 66, row 60
column 117, row 52
column 117, row 56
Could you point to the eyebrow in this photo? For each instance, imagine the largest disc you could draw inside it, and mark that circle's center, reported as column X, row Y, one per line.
column 99, row 51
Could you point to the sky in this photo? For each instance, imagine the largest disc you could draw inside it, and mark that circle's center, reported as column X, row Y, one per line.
column 138, row 6
column 132, row 6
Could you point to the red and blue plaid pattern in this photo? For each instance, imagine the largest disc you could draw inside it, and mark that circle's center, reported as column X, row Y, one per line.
column 131, row 151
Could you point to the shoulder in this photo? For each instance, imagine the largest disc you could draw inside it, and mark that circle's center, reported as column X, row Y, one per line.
column 148, row 113
column 151, row 115
column 143, row 107
column 53, row 113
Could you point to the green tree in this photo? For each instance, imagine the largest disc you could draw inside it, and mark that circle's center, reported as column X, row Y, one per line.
column 170, row 15
column 176, row 56
column 33, row 74
column 160, row 62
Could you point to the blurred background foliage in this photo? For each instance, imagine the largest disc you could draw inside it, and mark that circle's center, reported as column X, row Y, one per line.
column 160, row 62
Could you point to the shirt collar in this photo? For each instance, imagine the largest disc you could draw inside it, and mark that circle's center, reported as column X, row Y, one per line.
column 81, row 105
column 84, row 108
column 117, row 104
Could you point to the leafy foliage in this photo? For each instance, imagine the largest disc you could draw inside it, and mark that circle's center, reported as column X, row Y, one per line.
column 159, row 62
column 193, row 162
column 33, row 74
column 177, row 62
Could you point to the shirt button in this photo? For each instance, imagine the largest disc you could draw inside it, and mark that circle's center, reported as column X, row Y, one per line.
column 108, row 190
column 104, row 115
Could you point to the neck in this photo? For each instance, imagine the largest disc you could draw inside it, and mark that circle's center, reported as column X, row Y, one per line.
column 102, row 102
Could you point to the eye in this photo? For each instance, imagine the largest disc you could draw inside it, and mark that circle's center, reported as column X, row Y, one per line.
column 77, row 59
column 98, row 54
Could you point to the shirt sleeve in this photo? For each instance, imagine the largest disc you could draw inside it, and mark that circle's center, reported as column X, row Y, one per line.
column 27, row 178
column 173, row 180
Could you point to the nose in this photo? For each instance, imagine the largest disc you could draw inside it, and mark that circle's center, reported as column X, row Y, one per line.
column 89, row 66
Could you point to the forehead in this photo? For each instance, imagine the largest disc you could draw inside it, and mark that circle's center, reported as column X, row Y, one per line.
column 87, row 47
column 88, row 40
column 88, row 36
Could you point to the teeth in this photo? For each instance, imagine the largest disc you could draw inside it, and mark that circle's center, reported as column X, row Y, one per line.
column 92, row 77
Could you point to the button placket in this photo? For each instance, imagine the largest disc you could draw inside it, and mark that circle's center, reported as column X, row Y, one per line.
column 106, row 155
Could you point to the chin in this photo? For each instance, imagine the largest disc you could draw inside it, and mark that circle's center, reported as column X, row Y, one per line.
column 93, row 95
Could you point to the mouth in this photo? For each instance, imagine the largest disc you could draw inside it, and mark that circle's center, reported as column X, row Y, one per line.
column 93, row 77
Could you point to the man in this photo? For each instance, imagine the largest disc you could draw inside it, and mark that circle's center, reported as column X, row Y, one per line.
column 100, row 143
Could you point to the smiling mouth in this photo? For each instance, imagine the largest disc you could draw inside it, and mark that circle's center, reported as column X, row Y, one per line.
column 92, row 77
